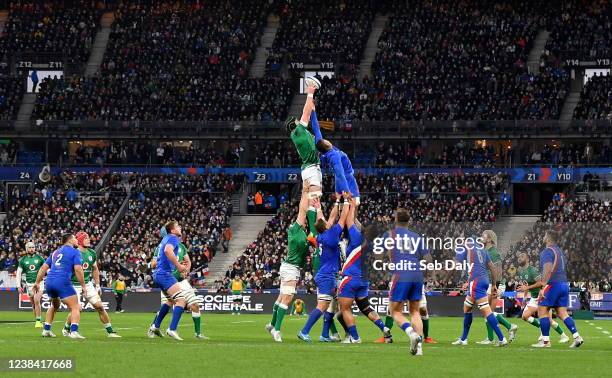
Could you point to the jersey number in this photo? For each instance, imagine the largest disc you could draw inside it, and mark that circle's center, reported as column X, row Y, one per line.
column 59, row 258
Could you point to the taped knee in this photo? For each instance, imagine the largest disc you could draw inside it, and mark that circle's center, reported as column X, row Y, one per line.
column 468, row 303
column 325, row 297
column 364, row 306
column 483, row 305
column 178, row 296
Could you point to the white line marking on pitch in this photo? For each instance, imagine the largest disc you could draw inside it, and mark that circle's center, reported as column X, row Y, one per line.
column 244, row 321
column 598, row 327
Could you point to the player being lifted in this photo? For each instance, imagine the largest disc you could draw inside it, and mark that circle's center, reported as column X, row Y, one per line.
column 90, row 270
column 530, row 283
column 555, row 291
column 191, row 299
column 489, row 238
column 328, row 239
column 166, row 263
column 407, row 284
column 289, row 272
column 30, row 264
column 477, row 285
column 305, row 145
column 61, row 264
column 354, row 284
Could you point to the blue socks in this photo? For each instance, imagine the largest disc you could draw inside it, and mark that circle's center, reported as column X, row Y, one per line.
column 467, row 323
column 545, row 326
column 47, row 327
column 315, row 126
column 161, row 314
column 312, row 319
column 176, row 316
column 327, row 319
column 570, row 324
column 379, row 323
column 74, row 327
column 492, row 320
column 352, row 330
column 405, row 326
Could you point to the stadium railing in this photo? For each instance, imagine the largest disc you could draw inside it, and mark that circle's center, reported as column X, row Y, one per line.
column 355, row 129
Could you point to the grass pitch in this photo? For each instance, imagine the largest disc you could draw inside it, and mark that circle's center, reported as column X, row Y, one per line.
column 240, row 347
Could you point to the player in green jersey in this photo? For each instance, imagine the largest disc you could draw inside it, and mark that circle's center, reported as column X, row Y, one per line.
column 531, row 284
column 304, row 143
column 91, row 273
column 30, row 264
column 189, row 293
column 489, row 239
column 297, row 250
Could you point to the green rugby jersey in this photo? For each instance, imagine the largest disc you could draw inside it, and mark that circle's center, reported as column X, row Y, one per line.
column 89, row 259
column 529, row 275
column 297, row 245
column 305, row 145
column 30, row 265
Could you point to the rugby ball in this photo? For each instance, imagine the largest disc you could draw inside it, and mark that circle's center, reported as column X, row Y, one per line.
column 313, row 81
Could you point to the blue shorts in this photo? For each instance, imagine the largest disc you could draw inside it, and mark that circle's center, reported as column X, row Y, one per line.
column 164, row 280
column 325, row 286
column 59, row 289
column 405, row 291
column 556, row 294
column 478, row 289
column 353, row 287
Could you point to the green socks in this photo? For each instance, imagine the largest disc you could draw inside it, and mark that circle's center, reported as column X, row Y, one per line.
column 558, row 329
column 389, row 321
column 274, row 314
column 67, row 326
column 38, row 318
column 534, row 322
column 489, row 331
column 197, row 324
column 280, row 314
column 109, row 328
column 426, row 327
column 503, row 321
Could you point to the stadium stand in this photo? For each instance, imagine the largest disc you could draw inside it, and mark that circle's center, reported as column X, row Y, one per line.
column 596, row 99
column 470, row 67
column 51, row 27
column 571, row 154
column 11, row 93
column 174, row 61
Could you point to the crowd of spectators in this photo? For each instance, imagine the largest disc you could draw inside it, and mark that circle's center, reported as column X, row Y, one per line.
column 277, row 153
column 178, row 61
column 7, row 153
column 441, row 204
column 313, row 31
column 398, row 154
column 461, row 154
column 43, row 216
column 62, row 28
column 451, row 60
column 571, row 154
column 158, row 154
column 596, row 99
column 586, row 236
column 11, row 93
column 579, row 29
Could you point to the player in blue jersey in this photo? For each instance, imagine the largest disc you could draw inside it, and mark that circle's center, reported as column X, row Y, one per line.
column 328, row 238
column 337, row 160
column 58, row 285
column 407, row 280
column 354, row 284
column 555, row 291
column 167, row 262
column 478, row 283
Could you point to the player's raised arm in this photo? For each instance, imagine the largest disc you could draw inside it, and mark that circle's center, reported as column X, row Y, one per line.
column 344, row 214
column 308, row 106
column 316, row 128
column 333, row 214
column 303, row 208
column 350, row 220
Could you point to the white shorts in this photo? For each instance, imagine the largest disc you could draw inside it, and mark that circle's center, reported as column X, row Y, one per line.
column 533, row 302
column 423, row 301
column 30, row 291
column 501, row 289
column 92, row 294
column 189, row 293
column 313, row 175
column 288, row 272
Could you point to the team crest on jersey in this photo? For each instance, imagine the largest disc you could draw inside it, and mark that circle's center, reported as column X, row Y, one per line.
column 85, row 265
column 32, row 267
